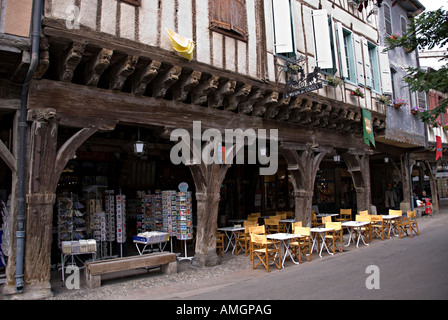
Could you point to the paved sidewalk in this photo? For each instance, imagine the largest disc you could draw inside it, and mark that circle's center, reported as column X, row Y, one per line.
column 191, row 281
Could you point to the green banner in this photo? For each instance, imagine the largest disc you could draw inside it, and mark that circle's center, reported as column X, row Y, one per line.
column 367, row 127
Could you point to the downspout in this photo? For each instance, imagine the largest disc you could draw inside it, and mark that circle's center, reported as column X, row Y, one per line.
column 36, row 20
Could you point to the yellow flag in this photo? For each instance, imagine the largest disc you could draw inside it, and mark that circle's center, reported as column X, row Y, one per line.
column 181, row 44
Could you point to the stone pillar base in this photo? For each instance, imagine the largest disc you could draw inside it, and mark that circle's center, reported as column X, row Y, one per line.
column 40, row 291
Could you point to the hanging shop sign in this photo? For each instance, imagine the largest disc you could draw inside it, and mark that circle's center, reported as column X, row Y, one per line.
column 297, row 82
column 367, row 127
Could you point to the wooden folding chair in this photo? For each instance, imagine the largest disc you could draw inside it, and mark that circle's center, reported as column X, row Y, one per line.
column 259, row 230
column 367, row 230
column 272, row 225
column 265, row 251
column 302, row 246
column 314, row 222
column 408, row 223
column 344, row 215
column 296, row 224
column 334, row 237
column 413, row 221
column 220, row 243
column 396, row 222
column 363, row 212
column 242, row 238
column 379, row 226
column 326, row 219
column 289, row 214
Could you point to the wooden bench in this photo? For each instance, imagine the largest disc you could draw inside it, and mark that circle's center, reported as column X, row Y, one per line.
column 94, row 269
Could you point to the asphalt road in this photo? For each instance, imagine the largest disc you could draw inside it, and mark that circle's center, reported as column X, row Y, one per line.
column 404, row 269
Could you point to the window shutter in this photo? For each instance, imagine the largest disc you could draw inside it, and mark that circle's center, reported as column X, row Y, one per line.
column 386, row 81
column 220, row 14
column 387, row 19
column 238, row 14
column 341, row 50
column 282, row 26
column 358, row 57
column 322, row 39
column 229, row 15
column 367, row 62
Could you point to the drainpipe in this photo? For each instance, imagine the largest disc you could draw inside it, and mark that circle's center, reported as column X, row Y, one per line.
column 36, row 20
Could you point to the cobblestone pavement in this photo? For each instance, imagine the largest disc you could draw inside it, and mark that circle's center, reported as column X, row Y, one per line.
column 188, row 276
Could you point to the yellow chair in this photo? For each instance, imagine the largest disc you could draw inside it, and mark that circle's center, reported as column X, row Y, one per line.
column 280, row 215
column 220, row 243
column 302, row 246
column 314, row 222
column 272, row 225
column 242, row 238
column 333, row 237
column 296, row 224
column 344, row 215
column 413, row 221
column 326, row 219
column 396, row 221
column 265, row 251
column 367, row 230
column 289, row 214
column 379, row 226
column 254, row 230
column 363, row 212
column 408, row 223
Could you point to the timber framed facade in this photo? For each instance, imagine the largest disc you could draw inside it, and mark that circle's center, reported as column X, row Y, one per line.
column 107, row 67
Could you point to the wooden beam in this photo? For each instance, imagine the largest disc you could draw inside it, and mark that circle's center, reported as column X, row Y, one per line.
column 142, row 77
column 92, row 102
column 70, row 61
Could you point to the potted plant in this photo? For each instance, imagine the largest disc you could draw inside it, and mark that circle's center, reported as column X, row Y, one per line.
column 357, row 92
column 384, row 99
column 416, row 109
column 334, row 81
column 394, row 36
column 398, row 103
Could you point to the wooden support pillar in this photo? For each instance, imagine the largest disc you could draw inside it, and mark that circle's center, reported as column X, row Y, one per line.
column 208, row 180
column 45, row 167
column 358, row 166
column 303, row 163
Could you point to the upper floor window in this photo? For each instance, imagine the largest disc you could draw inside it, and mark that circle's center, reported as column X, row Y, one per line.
column 229, row 17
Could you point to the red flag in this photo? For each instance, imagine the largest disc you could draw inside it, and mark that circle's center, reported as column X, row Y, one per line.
column 438, row 147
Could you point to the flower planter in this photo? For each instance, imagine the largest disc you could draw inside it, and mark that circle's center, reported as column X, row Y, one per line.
column 397, row 106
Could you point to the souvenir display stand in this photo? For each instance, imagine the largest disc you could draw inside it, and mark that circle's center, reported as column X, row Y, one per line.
column 72, row 249
column 184, row 230
column 121, row 220
column 151, row 238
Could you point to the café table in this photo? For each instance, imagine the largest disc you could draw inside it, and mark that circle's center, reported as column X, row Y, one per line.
column 389, row 219
column 321, row 215
column 230, row 233
column 357, row 226
column 320, row 232
column 284, row 238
